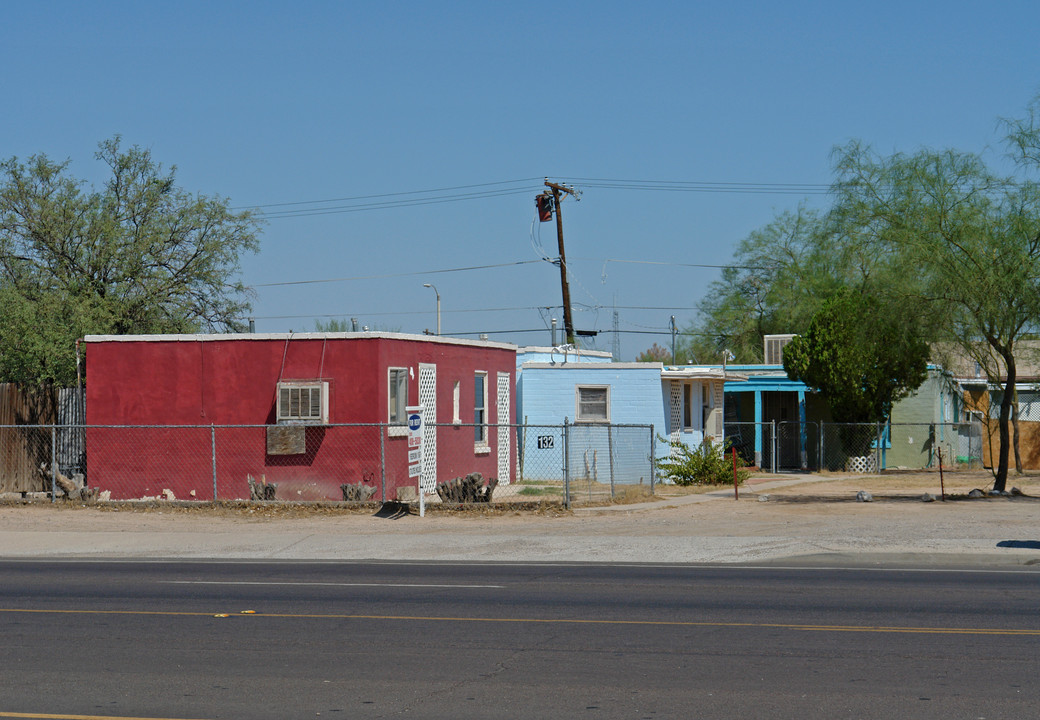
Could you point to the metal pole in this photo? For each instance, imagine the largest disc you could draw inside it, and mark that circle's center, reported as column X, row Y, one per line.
column 674, row 362
column 54, row 464
column 434, row 288
column 521, row 455
column 942, row 484
column 736, row 492
column 772, row 424
column 610, row 457
column 822, row 461
column 725, row 357
column 653, row 458
column 566, row 473
column 382, row 464
column 877, row 449
column 213, row 455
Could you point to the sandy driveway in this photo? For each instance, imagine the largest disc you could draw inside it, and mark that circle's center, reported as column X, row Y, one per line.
column 815, row 520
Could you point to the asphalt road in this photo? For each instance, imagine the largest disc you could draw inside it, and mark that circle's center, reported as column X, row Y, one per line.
column 366, row 640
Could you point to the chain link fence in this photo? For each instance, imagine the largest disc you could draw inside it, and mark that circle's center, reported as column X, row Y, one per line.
column 798, row 446
column 856, row 447
column 463, row 463
column 851, row 447
column 26, row 458
column 605, row 462
column 923, row 445
column 753, row 442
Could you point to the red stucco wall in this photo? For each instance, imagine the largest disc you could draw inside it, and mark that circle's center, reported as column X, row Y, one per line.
column 231, row 380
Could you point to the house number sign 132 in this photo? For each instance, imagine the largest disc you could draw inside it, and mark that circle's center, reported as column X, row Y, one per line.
column 546, row 442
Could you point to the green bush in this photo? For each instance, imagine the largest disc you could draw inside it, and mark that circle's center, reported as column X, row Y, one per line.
column 706, row 464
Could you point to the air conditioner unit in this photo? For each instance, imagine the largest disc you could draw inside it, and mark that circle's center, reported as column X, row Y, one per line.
column 303, row 403
column 774, row 348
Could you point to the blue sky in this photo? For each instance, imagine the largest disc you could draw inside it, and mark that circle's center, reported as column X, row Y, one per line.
column 268, row 103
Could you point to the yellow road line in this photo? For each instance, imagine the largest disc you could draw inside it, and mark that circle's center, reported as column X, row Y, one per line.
column 556, row 621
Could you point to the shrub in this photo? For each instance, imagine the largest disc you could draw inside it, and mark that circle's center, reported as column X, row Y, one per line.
column 706, row 464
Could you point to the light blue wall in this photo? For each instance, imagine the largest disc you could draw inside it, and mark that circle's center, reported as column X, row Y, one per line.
column 555, row 358
column 547, row 397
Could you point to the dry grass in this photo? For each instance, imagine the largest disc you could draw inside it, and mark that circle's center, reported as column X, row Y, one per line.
column 909, row 483
column 890, row 485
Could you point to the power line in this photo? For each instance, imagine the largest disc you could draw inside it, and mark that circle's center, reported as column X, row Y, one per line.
column 410, row 198
column 393, row 194
column 579, row 332
column 393, row 275
column 476, row 310
column 709, row 187
column 384, row 201
column 673, row 264
column 512, row 264
column 306, row 212
column 391, row 313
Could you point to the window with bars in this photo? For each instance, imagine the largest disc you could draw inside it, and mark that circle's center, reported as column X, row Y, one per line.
column 593, row 403
column 480, row 399
column 303, row 403
column 397, row 394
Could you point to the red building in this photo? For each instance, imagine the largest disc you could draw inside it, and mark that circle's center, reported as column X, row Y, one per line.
column 308, row 412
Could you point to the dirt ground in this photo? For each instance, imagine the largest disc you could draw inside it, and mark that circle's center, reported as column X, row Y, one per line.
column 777, row 517
column 890, row 484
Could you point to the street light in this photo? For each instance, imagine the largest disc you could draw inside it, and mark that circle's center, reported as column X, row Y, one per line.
column 434, row 288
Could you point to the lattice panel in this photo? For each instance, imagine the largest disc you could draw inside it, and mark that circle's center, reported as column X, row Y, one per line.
column 428, row 398
column 715, row 420
column 1028, row 406
column 502, row 417
column 675, row 404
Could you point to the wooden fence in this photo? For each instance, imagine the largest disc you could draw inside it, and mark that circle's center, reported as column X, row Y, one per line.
column 27, row 440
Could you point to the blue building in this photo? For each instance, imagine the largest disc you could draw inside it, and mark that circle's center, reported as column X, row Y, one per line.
column 768, row 398
column 779, row 423
column 591, row 395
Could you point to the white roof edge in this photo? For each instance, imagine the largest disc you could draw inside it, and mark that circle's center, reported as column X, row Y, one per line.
column 702, row 374
column 212, row 337
column 593, row 366
column 571, row 351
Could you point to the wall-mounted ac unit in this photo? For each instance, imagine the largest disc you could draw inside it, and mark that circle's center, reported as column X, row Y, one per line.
column 303, row 403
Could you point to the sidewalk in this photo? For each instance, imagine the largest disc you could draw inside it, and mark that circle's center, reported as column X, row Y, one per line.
column 700, row 528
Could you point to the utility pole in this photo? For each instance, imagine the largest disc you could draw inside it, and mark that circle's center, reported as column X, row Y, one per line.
column 557, row 189
column 674, row 361
column 616, row 346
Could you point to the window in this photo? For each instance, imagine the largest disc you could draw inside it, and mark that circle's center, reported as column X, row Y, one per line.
column 480, row 408
column 455, row 395
column 303, row 403
column 397, row 394
column 593, row 403
column 687, row 413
